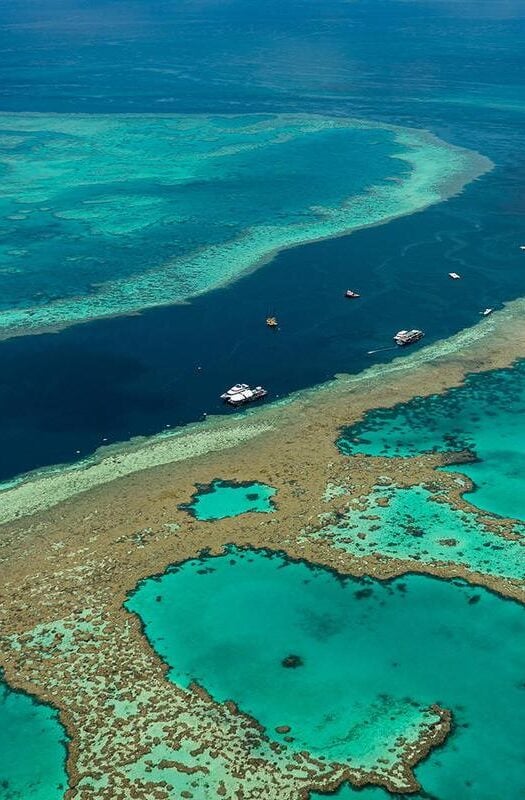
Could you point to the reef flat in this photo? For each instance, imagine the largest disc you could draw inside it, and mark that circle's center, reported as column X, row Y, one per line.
column 76, row 541
column 478, row 417
column 109, row 215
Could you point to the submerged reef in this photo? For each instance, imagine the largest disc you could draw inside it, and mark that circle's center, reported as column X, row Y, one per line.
column 478, row 417
column 76, row 542
column 131, row 202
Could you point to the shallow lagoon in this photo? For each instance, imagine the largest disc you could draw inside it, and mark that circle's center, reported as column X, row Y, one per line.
column 371, row 653
column 483, row 416
column 222, row 499
column 416, row 525
column 32, row 749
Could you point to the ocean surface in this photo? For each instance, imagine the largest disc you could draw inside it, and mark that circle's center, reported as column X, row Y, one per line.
column 454, row 69
column 250, row 128
column 32, row 749
column 369, row 656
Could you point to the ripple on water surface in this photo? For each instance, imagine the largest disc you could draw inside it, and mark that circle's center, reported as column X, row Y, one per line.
column 32, row 749
column 371, row 656
column 483, row 416
column 222, row 499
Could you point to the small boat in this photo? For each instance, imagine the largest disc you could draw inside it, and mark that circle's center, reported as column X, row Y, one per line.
column 244, row 395
column 522, row 246
column 272, row 322
column 403, row 338
column 454, row 276
column 350, row 293
column 487, row 312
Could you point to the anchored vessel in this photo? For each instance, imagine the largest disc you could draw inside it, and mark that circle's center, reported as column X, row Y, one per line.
column 272, row 322
column 454, row 276
column 350, row 293
column 241, row 393
column 408, row 337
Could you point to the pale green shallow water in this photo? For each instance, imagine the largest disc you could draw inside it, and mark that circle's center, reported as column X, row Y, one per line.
column 32, row 749
column 222, row 499
column 414, row 527
column 373, row 654
column 102, row 215
column 485, row 415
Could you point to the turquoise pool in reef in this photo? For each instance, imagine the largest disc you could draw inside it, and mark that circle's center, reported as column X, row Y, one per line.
column 222, row 499
column 368, row 657
column 412, row 524
column 482, row 415
column 32, row 749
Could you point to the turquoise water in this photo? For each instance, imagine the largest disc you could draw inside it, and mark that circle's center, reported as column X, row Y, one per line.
column 372, row 655
column 221, row 499
column 483, row 416
column 414, row 526
column 32, row 749
column 102, row 215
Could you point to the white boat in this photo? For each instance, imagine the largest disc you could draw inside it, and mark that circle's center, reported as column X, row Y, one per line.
column 522, row 246
column 454, row 276
column 244, row 395
column 239, row 387
column 487, row 312
column 408, row 337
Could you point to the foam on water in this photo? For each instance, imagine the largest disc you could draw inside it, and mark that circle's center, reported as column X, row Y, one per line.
column 479, row 416
column 104, row 215
column 371, row 655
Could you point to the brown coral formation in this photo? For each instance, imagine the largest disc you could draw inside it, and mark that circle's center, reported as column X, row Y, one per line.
column 67, row 570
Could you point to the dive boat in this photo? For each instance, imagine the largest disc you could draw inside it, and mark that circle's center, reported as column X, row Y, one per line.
column 350, row 293
column 241, row 394
column 487, row 312
column 408, row 337
column 239, row 387
column 454, row 276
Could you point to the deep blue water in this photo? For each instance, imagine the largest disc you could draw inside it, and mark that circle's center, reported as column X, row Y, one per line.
column 455, row 68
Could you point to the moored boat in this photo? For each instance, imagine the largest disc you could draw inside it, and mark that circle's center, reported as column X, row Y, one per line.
column 238, row 387
column 272, row 322
column 454, row 276
column 350, row 293
column 408, row 337
column 487, row 312
column 241, row 393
